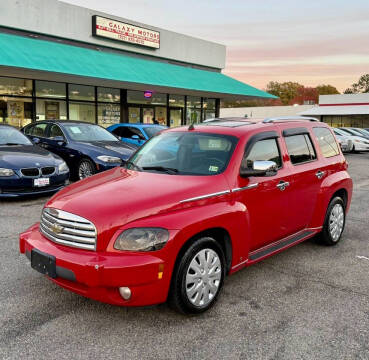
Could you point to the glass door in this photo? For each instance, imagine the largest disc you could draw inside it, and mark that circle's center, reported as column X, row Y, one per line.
column 134, row 115
column 175, row 117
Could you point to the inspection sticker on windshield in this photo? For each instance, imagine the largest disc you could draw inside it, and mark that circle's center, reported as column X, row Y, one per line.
column 213, row 168
column 75, row 130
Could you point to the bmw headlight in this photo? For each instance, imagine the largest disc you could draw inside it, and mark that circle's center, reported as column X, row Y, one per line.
column 63, row 168
column 109, row 159
column 142, row 239
column 6, row 172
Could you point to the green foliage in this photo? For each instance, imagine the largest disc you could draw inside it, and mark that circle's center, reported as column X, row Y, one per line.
column 327, row 90
column 362, row 86
column 286, row 91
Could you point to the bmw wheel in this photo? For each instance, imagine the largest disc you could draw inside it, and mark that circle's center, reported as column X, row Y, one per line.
column 198, row 278
column 86, row 168
column 334, row 222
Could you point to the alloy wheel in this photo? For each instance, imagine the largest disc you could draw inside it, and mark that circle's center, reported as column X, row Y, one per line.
column 85, row 170
column 336, row 222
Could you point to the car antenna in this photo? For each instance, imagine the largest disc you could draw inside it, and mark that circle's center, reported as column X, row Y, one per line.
column 191, row 127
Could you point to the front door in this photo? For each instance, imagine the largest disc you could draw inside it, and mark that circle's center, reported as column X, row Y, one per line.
column 148, row 115
column 175, row 117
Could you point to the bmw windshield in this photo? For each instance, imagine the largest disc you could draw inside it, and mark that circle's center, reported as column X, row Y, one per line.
column 182, row 153
column 10, row 136
column 88, row 132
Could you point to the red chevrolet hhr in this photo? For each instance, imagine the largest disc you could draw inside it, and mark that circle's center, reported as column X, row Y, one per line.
column 191, row 206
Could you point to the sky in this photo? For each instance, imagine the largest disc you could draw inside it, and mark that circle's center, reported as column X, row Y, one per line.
column 310, row 42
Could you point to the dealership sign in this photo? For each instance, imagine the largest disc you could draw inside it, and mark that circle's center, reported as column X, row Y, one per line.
column 120, row 31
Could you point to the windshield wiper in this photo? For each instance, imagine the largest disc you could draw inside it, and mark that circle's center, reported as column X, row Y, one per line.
column 161, row 168
column 131, row 163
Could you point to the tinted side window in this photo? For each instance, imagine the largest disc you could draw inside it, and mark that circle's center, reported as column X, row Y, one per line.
column 37, row 130
column 326, row 142
column 300, row 149
column 55, row 131
column 264, row 150
column 118, row 131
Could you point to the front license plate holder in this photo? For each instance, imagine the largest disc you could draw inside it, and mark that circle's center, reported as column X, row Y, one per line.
column 43, row 263
column 40, row 182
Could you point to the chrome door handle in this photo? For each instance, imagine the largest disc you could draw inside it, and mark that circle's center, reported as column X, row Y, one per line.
column 320, row 174
column 282, row 185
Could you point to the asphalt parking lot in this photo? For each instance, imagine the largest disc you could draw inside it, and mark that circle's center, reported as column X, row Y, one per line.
column 309, row 302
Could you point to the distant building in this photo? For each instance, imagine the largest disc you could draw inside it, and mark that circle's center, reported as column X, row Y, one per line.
column 348, row 110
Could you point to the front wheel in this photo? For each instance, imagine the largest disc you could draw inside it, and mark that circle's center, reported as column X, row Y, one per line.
column 334, row 222
column 198, row 278
column 86, row 168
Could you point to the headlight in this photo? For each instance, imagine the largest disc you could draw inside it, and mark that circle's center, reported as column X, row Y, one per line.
column 109, row 159
column 6, row 172
column 63, row 168
column 142, row 239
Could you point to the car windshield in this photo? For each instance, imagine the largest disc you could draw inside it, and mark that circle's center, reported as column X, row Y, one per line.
column 184, row 153
column 10, row 136
column 88, row 132
column 153, row 130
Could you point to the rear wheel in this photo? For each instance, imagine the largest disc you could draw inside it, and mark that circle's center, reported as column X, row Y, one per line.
column 334, row 222
column 198, row 277
column 86, row 168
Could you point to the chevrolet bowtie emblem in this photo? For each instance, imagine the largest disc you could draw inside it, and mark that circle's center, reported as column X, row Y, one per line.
column 56, row 228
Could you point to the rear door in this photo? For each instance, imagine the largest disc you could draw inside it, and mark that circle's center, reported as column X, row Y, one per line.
column 305, row 176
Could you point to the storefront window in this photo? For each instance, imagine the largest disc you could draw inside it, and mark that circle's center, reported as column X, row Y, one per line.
column 134, row 115
column 81, row 92
column 108, row 114
column 15, row 111
column 51, row 110
column 209, row 104
column 138, row 97
column 148, row 115
column 161, row 115
column 193, row 116
column 12, row 86
column 194, row 102
column 176, row 100
column 108, row 95
column 209, row 114
column 82, row 112
column 50, row 89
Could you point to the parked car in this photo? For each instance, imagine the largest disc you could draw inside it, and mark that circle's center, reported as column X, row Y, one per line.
column 345, row 142
column 136, row 134
column 359, row 142
column 86, row 148
column 354, row 132
column 172, row 227
column 26, row 169
column 362, row 131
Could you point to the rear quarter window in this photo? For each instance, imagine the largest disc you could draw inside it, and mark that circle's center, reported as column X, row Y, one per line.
column 326, row 141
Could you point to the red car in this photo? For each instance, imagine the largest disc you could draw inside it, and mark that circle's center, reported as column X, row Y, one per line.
column 193, row 205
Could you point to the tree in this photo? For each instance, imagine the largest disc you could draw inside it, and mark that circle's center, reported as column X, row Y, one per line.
column 362, row 86
column 285, row 91
column 327, row 90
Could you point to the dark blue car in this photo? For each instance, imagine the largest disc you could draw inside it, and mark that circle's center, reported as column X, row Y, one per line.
column 136, row 134
column 26, row 169
column 86, row 148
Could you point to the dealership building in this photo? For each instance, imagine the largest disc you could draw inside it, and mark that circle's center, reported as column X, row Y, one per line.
column 60, row 61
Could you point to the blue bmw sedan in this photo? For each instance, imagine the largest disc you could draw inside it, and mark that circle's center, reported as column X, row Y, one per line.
column 86, row 148
column 26, row 169
column 137, row 133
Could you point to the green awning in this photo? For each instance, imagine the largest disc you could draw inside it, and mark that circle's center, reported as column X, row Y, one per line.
column 27, row 53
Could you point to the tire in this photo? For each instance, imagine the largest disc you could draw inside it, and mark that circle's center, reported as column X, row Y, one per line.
column 85, row 168
column 334, row 223
column 193, row 292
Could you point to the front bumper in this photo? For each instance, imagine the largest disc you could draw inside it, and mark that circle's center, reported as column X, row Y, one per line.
column 16, row 186
column 98, row 275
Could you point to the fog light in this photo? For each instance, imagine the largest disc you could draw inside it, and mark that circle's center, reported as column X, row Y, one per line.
column 125, row 293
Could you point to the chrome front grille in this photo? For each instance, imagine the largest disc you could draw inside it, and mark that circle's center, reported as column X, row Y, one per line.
column 68, row 229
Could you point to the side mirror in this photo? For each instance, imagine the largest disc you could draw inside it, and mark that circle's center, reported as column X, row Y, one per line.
column 135, row 137
column 35, row 140
column 60, row 140
column 260, row 168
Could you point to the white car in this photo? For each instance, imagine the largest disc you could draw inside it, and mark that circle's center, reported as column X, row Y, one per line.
column 354, row 143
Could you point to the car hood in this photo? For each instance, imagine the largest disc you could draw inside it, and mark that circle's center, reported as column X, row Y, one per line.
column 25, row 156
column 113, row 148
column 119, row 196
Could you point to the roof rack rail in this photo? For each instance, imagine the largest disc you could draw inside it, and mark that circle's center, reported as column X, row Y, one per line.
column 288, row 118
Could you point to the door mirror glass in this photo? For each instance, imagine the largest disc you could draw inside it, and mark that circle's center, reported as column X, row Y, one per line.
column 260, row 168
